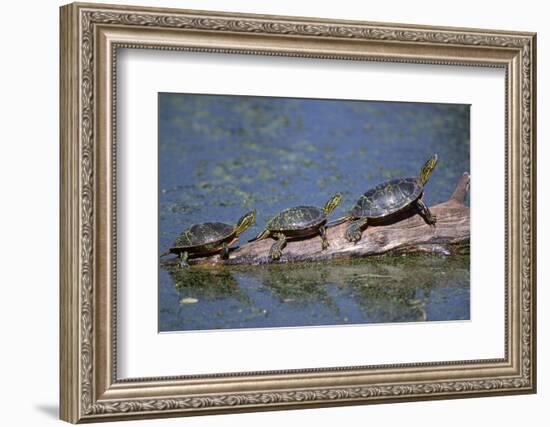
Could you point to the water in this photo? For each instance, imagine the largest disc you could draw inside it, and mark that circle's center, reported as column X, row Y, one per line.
column 223, row 155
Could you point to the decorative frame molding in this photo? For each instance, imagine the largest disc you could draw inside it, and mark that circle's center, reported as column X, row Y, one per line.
column 90, row 36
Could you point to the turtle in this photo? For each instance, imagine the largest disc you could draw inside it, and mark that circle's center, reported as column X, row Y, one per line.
column 389, row 198
column 209, row 238
column 298, row 222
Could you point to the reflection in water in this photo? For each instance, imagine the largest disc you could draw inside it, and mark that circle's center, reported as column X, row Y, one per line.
column 389, row 289
column 210, row 284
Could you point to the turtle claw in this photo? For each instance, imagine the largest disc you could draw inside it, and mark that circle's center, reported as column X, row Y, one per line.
column 324, row 241
column 356, row 237
column 275, row 254
column 276, row 250
column 431, row 220
column 355, row 230
column 353, row 236
column 224, row 254
column 429, row 217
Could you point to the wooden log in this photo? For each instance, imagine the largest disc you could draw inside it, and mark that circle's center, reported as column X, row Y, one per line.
column 406, row 234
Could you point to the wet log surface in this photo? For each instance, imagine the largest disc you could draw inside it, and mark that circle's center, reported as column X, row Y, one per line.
column 406, row 234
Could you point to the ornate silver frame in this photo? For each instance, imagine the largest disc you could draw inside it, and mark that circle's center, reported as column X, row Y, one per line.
column 90, row 36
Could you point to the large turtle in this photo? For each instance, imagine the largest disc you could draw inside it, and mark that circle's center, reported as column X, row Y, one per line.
column 298, row 222
column 209, row 238
column 390, row 198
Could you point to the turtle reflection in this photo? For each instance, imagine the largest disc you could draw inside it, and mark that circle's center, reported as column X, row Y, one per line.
column 297, row 285
column 385, row 293
column 206, row 284
column 382, row 290
column 372, row 291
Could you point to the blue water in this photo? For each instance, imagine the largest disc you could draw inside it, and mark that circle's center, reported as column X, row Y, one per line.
column 220, row 156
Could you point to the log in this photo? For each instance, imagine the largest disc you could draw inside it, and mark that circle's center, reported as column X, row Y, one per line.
column 404, row 235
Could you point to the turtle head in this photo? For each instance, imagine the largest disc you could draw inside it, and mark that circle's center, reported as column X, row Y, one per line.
column 427, row 170
column 246, row 221
column 332, row 203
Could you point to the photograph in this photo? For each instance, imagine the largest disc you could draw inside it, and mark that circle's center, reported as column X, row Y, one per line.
column 290, row 212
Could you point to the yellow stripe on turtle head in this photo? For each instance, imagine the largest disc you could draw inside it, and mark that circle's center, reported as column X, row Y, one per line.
column 244, row 222
column 332, row 203
column 427, row 170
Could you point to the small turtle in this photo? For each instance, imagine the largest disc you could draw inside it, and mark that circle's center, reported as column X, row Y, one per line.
column 298, row 222
column 389, row 198
column 209, row 238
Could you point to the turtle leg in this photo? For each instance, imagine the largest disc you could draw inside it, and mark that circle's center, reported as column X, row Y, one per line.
column 224, row 254
column 429, row 217
column 354, row 230
column 183, row 259
column 277, row 248
column 324, row 241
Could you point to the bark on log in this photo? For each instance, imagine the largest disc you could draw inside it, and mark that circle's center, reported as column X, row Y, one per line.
column 407, row 234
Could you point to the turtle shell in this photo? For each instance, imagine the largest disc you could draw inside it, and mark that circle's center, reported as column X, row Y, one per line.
column 387, row 198
column 208, row 235
column 297, row 218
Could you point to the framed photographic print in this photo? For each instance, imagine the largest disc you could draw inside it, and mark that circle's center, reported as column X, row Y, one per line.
column 265, row 212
